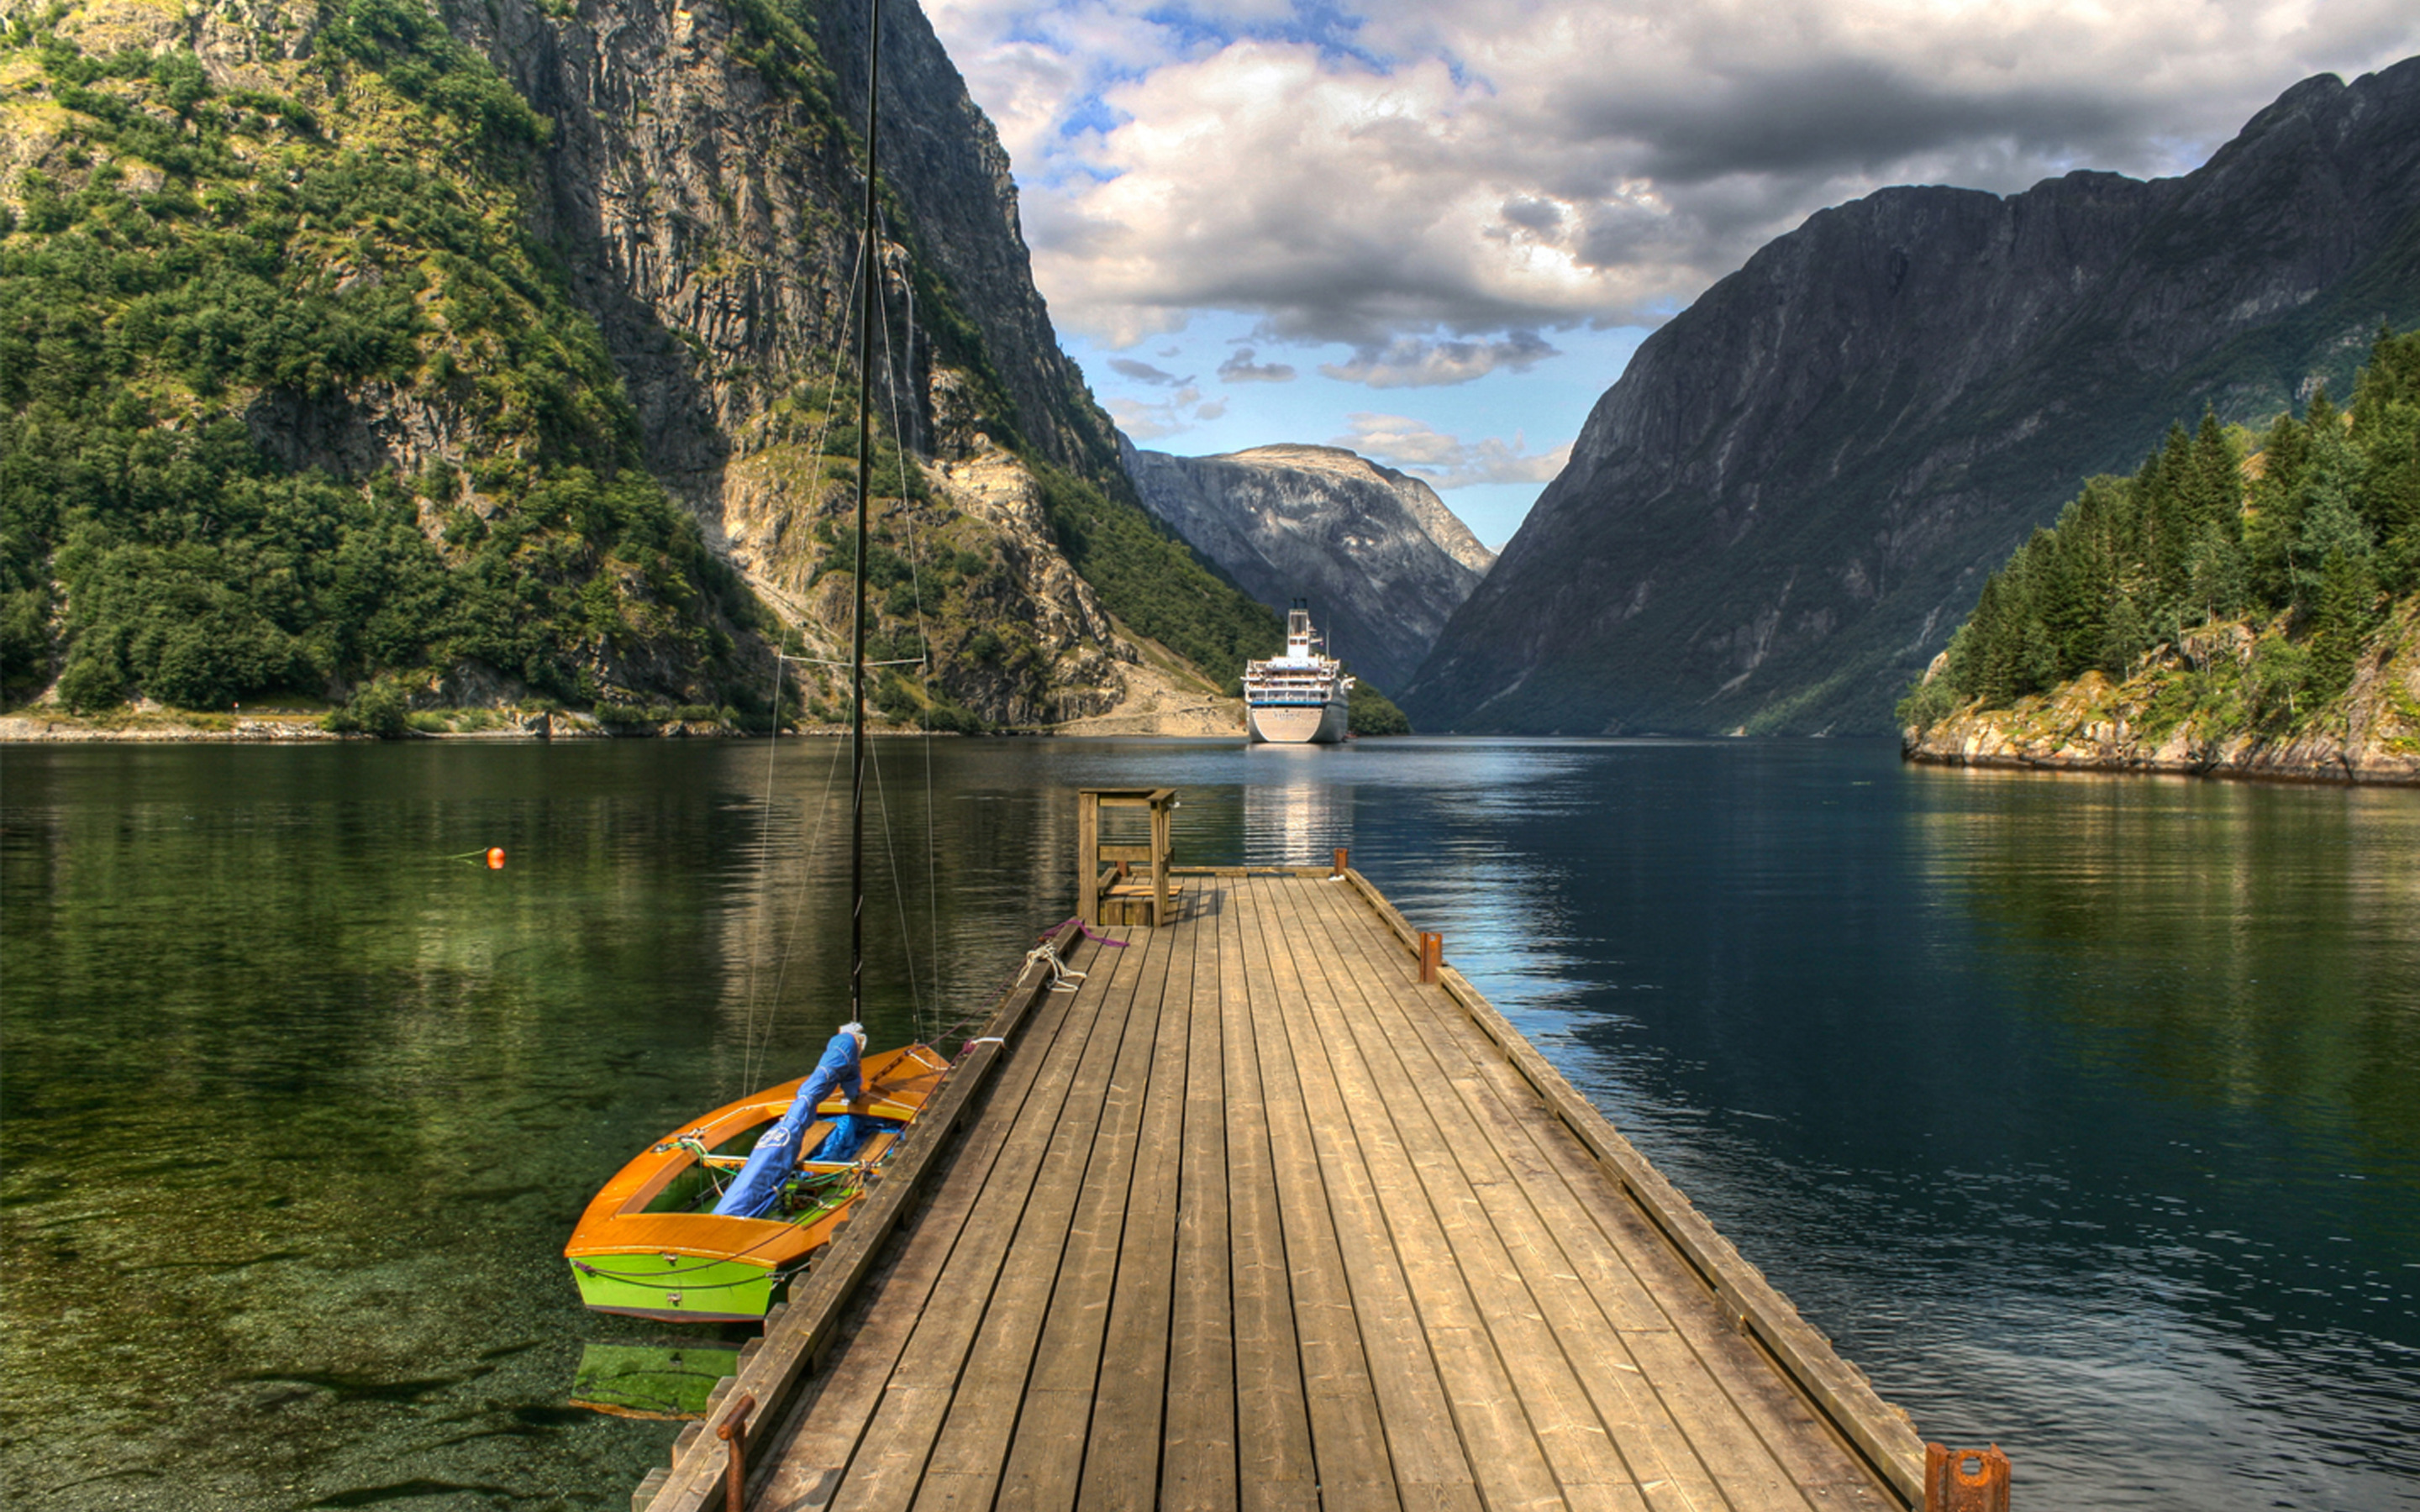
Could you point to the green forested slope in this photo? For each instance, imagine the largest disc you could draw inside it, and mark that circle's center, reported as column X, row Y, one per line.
column 216, row 247
column 194, row 277
column 2307, row 536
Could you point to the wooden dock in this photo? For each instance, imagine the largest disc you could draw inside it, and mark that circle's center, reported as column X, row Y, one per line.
column 1254, row 1217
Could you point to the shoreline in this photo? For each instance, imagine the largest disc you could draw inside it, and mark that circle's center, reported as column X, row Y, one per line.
column 35, row 730
column 2342, row 773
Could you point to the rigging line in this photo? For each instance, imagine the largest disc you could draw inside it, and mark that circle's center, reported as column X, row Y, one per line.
column 815, row 661
column 829, row 391
column 869, row 311
column 750, row 1033
column 764, row 873
column 898, row 896
column 797, row 909
column 923, row 643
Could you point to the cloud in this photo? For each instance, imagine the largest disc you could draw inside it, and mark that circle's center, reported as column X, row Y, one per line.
column 1146, row 422
column 1240, row 368
column 1467, row 169
column 1144, row 373
column 1150, row 420
column 1413, row 363
column 1448, row 461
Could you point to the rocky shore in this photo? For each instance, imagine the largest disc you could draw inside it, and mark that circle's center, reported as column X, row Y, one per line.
column 2179, row 713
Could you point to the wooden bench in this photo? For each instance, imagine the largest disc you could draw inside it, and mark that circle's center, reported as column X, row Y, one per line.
column 1122, row 874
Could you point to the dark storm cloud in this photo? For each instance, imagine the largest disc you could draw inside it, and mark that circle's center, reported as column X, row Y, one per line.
column 1846, row 115
column 1476, row 168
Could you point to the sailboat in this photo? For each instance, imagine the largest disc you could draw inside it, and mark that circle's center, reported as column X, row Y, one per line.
column 704, row 1224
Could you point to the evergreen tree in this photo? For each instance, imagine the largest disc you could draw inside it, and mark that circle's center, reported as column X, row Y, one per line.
column 2320, row 525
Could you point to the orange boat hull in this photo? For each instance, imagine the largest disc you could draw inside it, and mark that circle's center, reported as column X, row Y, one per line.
column 701, row 1267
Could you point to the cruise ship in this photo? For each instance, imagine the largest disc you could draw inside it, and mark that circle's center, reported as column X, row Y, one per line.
column 1297, row 698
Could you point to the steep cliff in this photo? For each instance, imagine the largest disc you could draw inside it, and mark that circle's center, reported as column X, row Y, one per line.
column 506, row 283
column 1382, row 560
column 1778, row 515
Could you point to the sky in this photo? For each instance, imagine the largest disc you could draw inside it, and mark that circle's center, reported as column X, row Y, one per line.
column 1434, row 231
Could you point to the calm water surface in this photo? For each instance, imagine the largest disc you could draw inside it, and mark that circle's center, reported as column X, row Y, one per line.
column 2081, row 1111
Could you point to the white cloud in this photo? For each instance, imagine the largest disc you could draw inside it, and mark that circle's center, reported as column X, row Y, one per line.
column 1470, row 168
column 1448, row 461
column 1146, row 422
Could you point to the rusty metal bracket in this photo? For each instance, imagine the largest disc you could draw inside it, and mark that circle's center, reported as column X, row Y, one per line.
column 1949, row 1486
column 733, row 1431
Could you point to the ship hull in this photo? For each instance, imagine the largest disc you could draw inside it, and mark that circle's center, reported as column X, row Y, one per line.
column 1300, row 724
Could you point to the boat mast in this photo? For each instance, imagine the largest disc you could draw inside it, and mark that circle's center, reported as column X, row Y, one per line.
column 869, row 272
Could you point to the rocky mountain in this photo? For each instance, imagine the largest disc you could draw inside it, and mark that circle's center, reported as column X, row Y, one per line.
column 521, row 332
column 1779, row 513
column 1382, row 560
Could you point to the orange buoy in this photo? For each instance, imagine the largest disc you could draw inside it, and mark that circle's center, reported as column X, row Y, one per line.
column 495, row 858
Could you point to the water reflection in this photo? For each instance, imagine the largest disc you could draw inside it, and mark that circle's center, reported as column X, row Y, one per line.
column 2232, row 944
column 1298, row 807
column 2079, row 1111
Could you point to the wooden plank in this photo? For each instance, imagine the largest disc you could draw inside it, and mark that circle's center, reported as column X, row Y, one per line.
column 1548, row 1255
column 1275, row 1466
column 1843, row 1395
column 1198, row 1465
column 791, row 1345
column 839, row 1402
column 1839, row 1392
column 1121, row 1465
column 1050, row 1433
column 1350, row 1446
column 886, row 1466
column 1741, row 1418
column 1406, row 1371
column 1512, row 1410
column 1199, row 1452
column 980, row 1350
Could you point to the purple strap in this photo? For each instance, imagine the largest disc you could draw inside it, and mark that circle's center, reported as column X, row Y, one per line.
column 1087, row 931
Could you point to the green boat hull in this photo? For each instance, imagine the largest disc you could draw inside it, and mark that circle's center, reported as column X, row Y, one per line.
column 675, row 1289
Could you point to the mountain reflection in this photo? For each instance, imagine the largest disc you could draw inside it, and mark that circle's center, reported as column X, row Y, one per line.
column 2256, row 946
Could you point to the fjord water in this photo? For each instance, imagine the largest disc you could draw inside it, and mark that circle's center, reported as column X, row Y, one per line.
column 2081, row 1111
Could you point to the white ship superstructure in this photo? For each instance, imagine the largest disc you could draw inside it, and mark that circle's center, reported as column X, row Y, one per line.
column 1297, row 698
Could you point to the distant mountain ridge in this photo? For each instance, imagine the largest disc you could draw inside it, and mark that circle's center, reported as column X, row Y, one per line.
column 1779, row 513
column 1377, row 553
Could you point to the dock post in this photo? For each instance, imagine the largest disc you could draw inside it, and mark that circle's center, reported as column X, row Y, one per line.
column 1338, row 870
column 734, row 1432
column 1431, row 956
column 1088, row 858
column 1948, row 1488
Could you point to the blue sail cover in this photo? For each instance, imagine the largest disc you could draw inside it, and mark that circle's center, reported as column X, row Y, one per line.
column 759, row 1183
